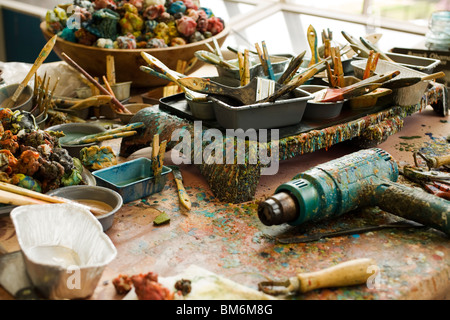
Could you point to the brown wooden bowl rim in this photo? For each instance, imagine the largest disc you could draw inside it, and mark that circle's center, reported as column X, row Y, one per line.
column 46, row 32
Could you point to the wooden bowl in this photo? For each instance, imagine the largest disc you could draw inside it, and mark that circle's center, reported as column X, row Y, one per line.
column 128, row 61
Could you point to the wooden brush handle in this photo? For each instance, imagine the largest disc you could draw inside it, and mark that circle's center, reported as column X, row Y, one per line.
column 182, row 194
column 348, row 273
column 440, row 161
column 433, row 76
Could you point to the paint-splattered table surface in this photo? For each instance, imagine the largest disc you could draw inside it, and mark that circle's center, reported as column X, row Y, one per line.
column 229, row 239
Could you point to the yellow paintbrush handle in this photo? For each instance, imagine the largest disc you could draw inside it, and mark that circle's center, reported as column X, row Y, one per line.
column 182, row 195
column 348, row 273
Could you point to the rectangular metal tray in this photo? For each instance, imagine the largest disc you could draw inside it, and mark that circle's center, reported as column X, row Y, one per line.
column 177, row 105
column 133, row 179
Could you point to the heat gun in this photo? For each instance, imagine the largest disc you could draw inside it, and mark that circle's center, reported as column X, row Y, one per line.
column 361, row 179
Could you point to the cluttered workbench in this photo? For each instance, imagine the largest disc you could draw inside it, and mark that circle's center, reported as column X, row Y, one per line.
column 229, row 240
column 229, row 233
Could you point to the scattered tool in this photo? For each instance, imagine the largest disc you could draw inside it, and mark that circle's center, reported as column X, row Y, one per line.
column 182, row 194
column 174, row 76
column 327, row 37
column 346, row 232
column 18, row 196
column 369, row 45
column 212, row 58
column 117, row 103
column 11, row 101
column 292, row 68
column 158, row 151
column 123, row 131
column 434, row 182
column 293, row 84
column 312, row 41
column 432, row 162
column 365, row 178
column 409, row 81
column 354, row 90
column 246, row 95
column 349, row 273
column 338, row 74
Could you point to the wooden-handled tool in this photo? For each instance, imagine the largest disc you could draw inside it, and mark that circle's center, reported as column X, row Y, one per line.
column 292, row 68
column 409, row 81
column 182, row 194
column 349, row 273
column 246, row 95
column 17, row 196
column 103, row 90
column 432, row 162
column 361, row 87
column 160, row 67
column 312, row 41
column 11, row 101
column 123, row 131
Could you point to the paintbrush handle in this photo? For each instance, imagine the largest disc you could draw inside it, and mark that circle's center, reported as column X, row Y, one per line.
column 95, row 83
column 433, row 76
column 182, row 194
column 349, row 273
column 107, row 137
column 291, row 85
column 292, row 68
column 15, row 195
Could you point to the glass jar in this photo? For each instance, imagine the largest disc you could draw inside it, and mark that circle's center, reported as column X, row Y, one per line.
column 438, row 36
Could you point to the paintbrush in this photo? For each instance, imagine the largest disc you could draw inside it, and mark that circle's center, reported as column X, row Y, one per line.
column 103, row 137
column 11, row 101
column 312, row 41
column 245, row 94
column 292, row 68
column 174, row 76
column 291, row 85
column 267, row 60
column 109, row 133
column 95, row 83
column 369, row 45
column 15, row 195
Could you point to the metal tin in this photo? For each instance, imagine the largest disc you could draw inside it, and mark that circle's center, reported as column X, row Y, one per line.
column 133, row 179
column 25, row 101
column 406, row 96
column 46, row 233
column 267, row 115
column 321, row 110
column 422, row 64
column 102, row 194
column 77, row 128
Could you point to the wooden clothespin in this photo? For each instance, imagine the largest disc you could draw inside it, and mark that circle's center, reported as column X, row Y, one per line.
column 326, row 40
column 110, row 70
column 158, row 151
column 371, row 64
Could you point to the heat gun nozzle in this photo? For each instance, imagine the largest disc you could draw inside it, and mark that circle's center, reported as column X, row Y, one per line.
column 278, row 209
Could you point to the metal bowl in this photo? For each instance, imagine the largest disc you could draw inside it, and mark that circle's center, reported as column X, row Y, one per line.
column 101, row 194
column 320, row 110
column 74, row 130
column 25, row 101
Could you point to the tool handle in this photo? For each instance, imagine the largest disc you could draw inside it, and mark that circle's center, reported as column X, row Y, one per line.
column 414, row 204
column 182, row 194
column 440, row 161
column 348, row 273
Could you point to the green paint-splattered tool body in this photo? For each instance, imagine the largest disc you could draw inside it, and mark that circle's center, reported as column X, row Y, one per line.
column 363, row 179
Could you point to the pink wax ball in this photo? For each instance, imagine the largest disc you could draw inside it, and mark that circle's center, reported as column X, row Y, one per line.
column 102, row 4
column 215, row 25
column 186, row 26
column 153, row 12
column 190, row 4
